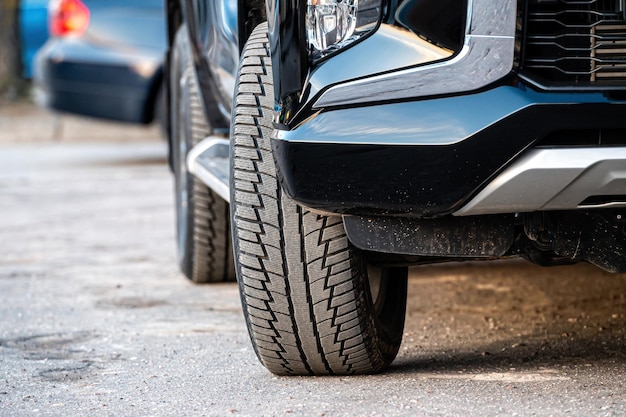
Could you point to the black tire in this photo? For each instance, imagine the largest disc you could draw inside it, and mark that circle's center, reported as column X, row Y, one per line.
column 159, row 110
column 202, row 217
column 305, row 290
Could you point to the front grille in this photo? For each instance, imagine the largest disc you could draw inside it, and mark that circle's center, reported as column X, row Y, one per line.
column 575, row 43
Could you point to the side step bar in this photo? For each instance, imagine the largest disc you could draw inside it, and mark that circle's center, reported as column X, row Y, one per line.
column 209, row 161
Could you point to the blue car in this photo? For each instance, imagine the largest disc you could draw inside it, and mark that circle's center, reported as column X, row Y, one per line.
column 33, row 26
column 104, row 59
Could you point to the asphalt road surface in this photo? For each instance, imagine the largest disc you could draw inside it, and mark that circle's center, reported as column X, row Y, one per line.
column 95, row 318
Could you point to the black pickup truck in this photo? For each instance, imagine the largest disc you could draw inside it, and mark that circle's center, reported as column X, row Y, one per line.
column 321, row 147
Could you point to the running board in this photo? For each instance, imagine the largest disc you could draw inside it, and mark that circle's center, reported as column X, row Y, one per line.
column 209, row 161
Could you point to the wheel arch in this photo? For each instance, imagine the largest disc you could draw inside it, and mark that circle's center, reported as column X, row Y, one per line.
column 174, row 19
column 197, row 18
column 250, row 14
column 287, row 42
column 174, row 15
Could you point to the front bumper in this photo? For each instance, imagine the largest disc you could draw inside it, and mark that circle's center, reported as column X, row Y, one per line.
column 421, row 133
column 429, row 158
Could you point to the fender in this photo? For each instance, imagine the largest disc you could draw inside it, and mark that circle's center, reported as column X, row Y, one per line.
column 288, row 47
column 174, row 17
column 250, row 14
column 200, row 18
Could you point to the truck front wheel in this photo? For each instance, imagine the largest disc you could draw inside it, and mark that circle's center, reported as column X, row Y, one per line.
column 313, row 304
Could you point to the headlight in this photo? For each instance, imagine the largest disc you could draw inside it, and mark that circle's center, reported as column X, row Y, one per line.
column 332, row 24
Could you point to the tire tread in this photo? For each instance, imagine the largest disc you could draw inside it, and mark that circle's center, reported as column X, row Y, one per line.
column 301, row 289
column 207, row 256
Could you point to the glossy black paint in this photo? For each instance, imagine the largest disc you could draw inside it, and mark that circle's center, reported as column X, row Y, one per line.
column 426, row 180
column 114, row 70
column 200, row 20
column 440, row 21
column 250, row 14
column 290, row 58
column 289, row 55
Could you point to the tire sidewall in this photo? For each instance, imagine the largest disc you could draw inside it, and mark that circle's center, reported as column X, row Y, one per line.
column 181, row 143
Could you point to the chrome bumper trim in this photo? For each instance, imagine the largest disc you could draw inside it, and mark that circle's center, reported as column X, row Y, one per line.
column 209, row 161
column 554, row 179
column 486, row 56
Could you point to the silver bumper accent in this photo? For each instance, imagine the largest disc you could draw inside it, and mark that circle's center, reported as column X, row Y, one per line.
column 486, row 56
column 209, row 162
column 554, row 179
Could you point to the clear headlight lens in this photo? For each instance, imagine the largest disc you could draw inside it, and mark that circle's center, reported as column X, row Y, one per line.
column 332, row 24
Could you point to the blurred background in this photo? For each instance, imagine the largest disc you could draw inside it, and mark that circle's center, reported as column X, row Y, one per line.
column 90, row 58
column 23, row 30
